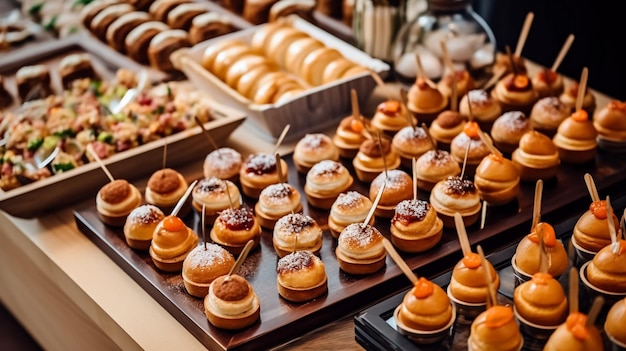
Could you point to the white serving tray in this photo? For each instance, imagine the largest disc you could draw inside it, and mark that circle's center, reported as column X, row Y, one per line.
column 315, row 110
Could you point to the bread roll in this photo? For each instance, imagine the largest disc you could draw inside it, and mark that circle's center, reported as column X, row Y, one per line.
column 163, row 45
column 140, row 225
column 298, row 51
column 205, row 263
column 284, row 8
column 209, row 25
column 138, row 40
column 181, row 16
column 160, row 9
column 301, row 276
column 118, row 30
column 101, row 22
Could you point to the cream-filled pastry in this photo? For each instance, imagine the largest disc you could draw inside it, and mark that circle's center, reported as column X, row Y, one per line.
column 485, row 109
column 258, row 171
column 350, row 207
column 140, row 225
column 576, row 139
column 314, row 148
column 205, row 263
column 360, row 249
column 276, row 201
column 410, row 142
column 495, row 329
column 301, row 276
column 508, row 129
column 528, row 252
column 468, row 284
column 325, row 181
column 425, row 101
column 234, row 228
column 610, row 123
column 434, row 166
column 231, row 303
column 497, row 180
column 115, row 200
column 541, row 301
column 373, row 157
column 469, row 148
column 548, row 83
column 515, row 92
column 171, row 243
column 391, row 116
column 570, row 94
column 296, row 231
column 398, row 186
column 446, row 127
column 349, row 136
column 547, row 114
column 415, row 226
column 456, row 195
column 223, row 163
column 213, row 195
column 165, row 188
column 536, row 157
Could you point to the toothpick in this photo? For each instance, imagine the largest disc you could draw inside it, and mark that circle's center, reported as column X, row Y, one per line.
column 202, row 223
column 612, row 231
column 469, row 108
column 594, row 311
column 374, row 205
column 405, row 101
column 382, row 154
column 494, row 78
column 469, row 143
column 183, row 199
column 491, row 296
column 511, row 60
column 279, row 168
column 563, row 52
column 208, row 136
column 582, row 86
column 433, row 143
column 422, row 73
column 164, row 154
column 281, row 138
column 454, row 88
column 524, row 34
column 489, row 144
column 230, row 200
column 573, row 290
column 462, row 234
column 544, row 265
column 414, row 172
column 591, row 187
column 537, row 205
column 99, row 160
column 242, row 257
column 446, row 57
column 354, row 99
column 483, row 215
column 380, row 83
column 399, row 261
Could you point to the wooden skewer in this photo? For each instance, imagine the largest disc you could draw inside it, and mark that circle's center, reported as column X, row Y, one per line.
column 242, row 257
column 489, row 144
column 281, row 137
column 399, row 261
column 99, row 160
column 454, row 88
column 422, row 73
column 509, row 54
column 404, row 98
column 563, row 52
column 462, row 234
column 381, row 84
column 469, row 144
column 354, row 100
column 612, row 231
column 279, row 168
column 591, row 187
column 375, row 204
column 544, row 265
column 494, row 78
column 433, row 143
column 524, row 34
column 537, row 204
column 414, row 173
column 594, row 311
column 203, row 224
column 582, row 87
column 380, row 147
column 491, row 293
column 573, row 290
column 230, row 199
column 483, row 215
column 183, row 199
column 208, row 136
column 469, row 108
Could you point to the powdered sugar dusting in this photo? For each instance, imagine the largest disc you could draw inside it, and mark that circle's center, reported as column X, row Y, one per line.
column 456, row 185
column 394, row 179
column 145, row 214
column 223, row 159
column 349, row 200
column 479, row 97
column 358, row 234
column 294, row 223
column 327, row 168
column 513, row 121
column 315, row 141
column 237, row 218
column 435, row 158
column 411, row 134
column 412, row 209
column 277, row 191
column 295, row 261
column 208, row 256
column 211, row 185
column 260, row 164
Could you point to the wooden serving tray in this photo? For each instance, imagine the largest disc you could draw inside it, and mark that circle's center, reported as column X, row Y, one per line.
column 282, row 321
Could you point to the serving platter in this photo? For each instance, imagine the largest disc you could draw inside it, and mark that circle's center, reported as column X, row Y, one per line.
column 61, row 189
column 280, row 320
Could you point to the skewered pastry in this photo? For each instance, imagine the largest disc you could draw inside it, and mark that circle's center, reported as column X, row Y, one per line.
column 301, row 276
column 415, row 226
column 205, row 263
column 610, row 122
column 485, row 109
column 456, row 195
column 276, row 201
column 212, row 195
column 172, row 241
column 410, row 142
column 536, row 157
column 165, row 188
column 446, row 127
column 434, row 166
column 374, row 156
column 115, row 200
column 223, row 163
column 140, row 224
column 398, row 186
column 350, row 207
column 508, row 129
column 576, row 139
column 258, row 171
column 497, row 180
column 296, row 231
column 360, row 249
column 231, row 303
column 314, row 148
column 547, row 114
column 325, row 181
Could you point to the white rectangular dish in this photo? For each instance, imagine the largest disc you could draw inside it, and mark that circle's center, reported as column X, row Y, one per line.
column 314, row 110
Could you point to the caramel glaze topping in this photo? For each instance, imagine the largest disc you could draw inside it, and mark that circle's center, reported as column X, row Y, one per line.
column 370, row 147
column 260, row 164
column 295, row 261
column 410, row 211
column 234, row 288
column 164, row 181
column 449, row 119
column 115, row 192
column 237, row 218
column 517, row 82
column 456, row 185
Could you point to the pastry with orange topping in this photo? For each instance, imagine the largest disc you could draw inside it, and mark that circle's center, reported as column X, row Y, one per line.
column 350, row 207
column 575, row 335
column 610, row 122
column 234, row 227
column 456, row 195
column 360, row 249
column 115, row 200
column 607, row 270
column 515, row 92
column 314, row 148
column 570, row 94
column 614, row 323
column 495, row 329
column 325, row 181
column 497, row 180
column 165, row 188
column 425, row 101
column 446, row 127
column 508, row 129
column 469, row 142
column 231, row 303
column 548, row 83
column 591, row 231
column 301, row 276
column 468, row 284
column 171, row 243
column 258, row 171
column 425, row 312
column 464, row 83
column 536, row 157
column 214, row 195
column 576, row 139
column 528, row 252
column 540, row 301
column 415, row 226
column 349, row 136
column 275, row 201
column 205, row 263
column 374, row 156
column 140, row 225
column 410, row 142
column 391, row 116
column 434, row 166
column 398, row 186
column 296, row 231
column 484, row 108
column 547, row 114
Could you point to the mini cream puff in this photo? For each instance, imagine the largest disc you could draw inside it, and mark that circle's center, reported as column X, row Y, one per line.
column 165, row 188
column 547, row 114
column 469, row 142
column 610, row 122
column 425, row 101
column 434, row 166
column 325, row 181
column 258, row 171
column 301, row 276
column 485, row 109
column 391, row 116
column 223, row 163
column 172, row 241
column 296, row 231
column 536, row 157
column 508, row 129
column 350, row 207
column 410, row 142
column 570, row 95
column 548, row 83
column 276, row 201
column 515, row 92
column 349, row 136
column 374, row 156
column 313, row 148
column 115, row 200
column 214, row 195
column 576, row 139
column 415, row 226
column 234, row 227
column 456, row 195
column 497, row 180
column 140, row 225
column 446, row 127
column 360, row 249
column 398, row 186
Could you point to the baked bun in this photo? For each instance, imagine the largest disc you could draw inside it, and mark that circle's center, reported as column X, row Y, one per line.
column 570, row 95
column 118, row 30
column 76, row 66
column 497, row 180
column 495, row 329
column 456, row 195
column 541, row 301
column 607, row 270
column 163, row 45
column 547, row 114
column 241, row 66
column 325, row 181
column 391, row 116
column 508, row 129
column 468, row 283
column 615, row 321
column 528, row 252
column 548, row 83
column 415, row 226
column 485, row 109
column 349, row 136
column 301, row 277
column 446, row 126
column 350, row 207
column 536, row 157
column 515, row 92
column 591, row 231
column 140, row 224
column 234, row 227
column 223, row 163
column 340, row 68
column 284, row 8
column 212, row 51
column 165, row 188
column 298, row 51
column 425, row 307
column 296, row 231
column 426, row 101
column 181, row 16
column 575, row 335
column 89, row 11
column 258, row 171
column 360, row 249
column 160, row 9
column 398, row 187
column 409, row 143
column 257, row 11
column 610, row 123
column 314, row 148
column 468, row 147
column 315, row 62
column 205, row 263
column 33, row 82
column 105, row 17
column 433, row 166
column 138, row 39
column 209, row 25
column 231, row 303
column 464, row 83
column 278, row 41
column 261, row 38
column 171, row 243
column 275, row 201
column 212, row 195
column 115, row 200
column 374, row 156
column 576, row 139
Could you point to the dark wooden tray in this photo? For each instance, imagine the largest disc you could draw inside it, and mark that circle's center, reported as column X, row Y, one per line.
column 282, row 321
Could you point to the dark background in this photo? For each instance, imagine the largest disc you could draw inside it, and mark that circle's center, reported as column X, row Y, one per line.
column 599, row 27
